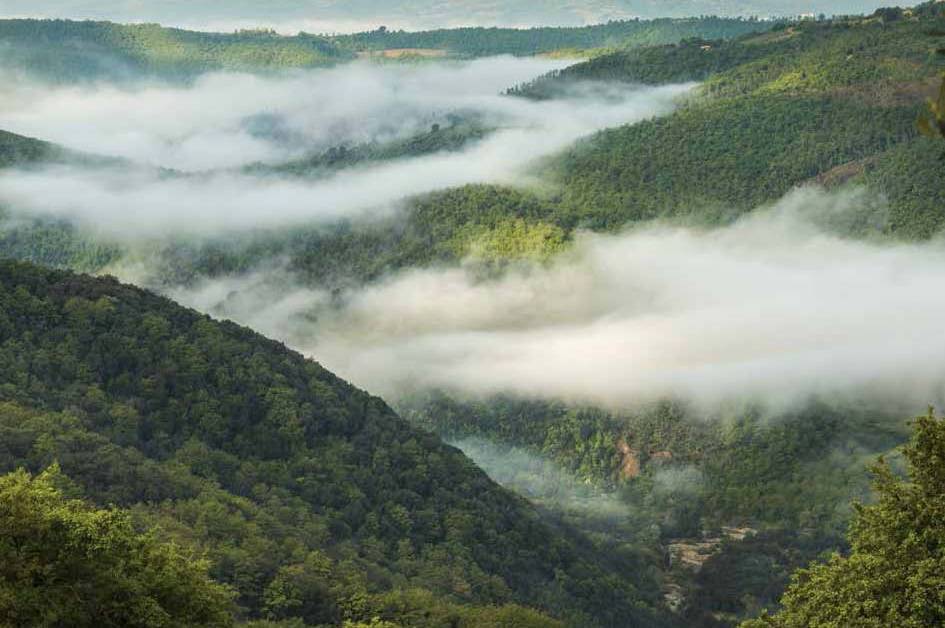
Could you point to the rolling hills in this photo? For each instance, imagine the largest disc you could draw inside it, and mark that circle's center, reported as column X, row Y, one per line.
column 69, row 51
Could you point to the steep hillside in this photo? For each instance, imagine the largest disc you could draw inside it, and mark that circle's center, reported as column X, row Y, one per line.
column 829, row 102
column 19, row 150
column 274, row 466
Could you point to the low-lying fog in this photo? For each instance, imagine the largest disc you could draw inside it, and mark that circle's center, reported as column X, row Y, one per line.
column 772, row 307
column 228, row 120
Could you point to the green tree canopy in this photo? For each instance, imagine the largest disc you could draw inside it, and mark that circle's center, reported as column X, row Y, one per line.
column 895, row 573
column 932, row 122
column 64, row 563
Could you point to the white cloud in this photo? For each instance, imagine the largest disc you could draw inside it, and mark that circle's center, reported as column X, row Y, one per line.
column 770, row 308
column 202, row 127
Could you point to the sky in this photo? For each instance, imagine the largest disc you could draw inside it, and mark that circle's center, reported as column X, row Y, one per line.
column 775, row 307
column 325, row 16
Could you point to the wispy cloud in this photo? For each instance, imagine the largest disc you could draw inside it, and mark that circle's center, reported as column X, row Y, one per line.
column 771, row 307
column 205, row 126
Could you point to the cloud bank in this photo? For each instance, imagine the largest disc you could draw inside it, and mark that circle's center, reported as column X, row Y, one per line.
column 205, row 126
column 229, row 119
column 772, row 307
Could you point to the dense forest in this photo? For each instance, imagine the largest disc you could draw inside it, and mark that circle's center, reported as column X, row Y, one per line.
column 311, row 499
column 67, row 51
column 64, row 50
column 807, row 89
column 491, row 41
column 893, row 573
column 208, row 434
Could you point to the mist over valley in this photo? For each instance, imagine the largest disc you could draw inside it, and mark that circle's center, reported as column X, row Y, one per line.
column 601, row 326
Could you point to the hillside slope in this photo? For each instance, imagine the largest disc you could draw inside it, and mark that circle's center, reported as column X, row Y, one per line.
column 261, row 457
column 423, row 13
column 68, row 51
column 829, row 102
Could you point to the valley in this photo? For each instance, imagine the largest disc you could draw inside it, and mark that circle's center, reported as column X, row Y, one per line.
column 644, row 302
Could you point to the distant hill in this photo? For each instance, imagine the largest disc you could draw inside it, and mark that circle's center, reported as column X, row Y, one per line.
column 480, row 41
column 68, row 50
column 418, row 14
column 64, row 50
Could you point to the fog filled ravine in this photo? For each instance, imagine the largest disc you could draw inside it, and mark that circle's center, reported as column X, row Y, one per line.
column 606, row 325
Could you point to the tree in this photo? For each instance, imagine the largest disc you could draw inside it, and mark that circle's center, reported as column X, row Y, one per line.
column 895, row 573
column 64, row 563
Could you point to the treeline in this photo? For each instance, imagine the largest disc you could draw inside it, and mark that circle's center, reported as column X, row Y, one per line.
column 473, row 42
column 455, row 133
column 65, row 50
column 830, row 102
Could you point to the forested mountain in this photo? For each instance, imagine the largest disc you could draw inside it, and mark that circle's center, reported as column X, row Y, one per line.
column 311, row 498
column 489, row 41
column 807, row 90
column 457, row 134
column 65, row 50
column 747, row 493
column 19, row 150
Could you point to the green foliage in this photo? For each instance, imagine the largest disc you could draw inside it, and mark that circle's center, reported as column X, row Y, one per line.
column 281, row 472
column 777, row 110
column 64, row 563
column 805, row 56
column 67, row 51
column 932, row 123
column 19, row 150
column 893, row 574
column 668, row 472
column 473, row 42
column 512, row 239
column 691, row 59
column 456, row 136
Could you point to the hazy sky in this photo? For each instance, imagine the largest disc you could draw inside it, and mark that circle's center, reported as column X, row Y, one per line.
column 352, row 15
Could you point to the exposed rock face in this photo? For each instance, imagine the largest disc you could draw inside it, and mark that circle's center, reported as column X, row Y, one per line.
column 675, row 597
column 629, row 460
column 692, row 554
column 631, row 463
